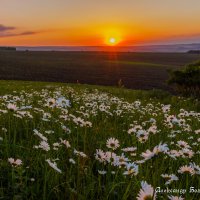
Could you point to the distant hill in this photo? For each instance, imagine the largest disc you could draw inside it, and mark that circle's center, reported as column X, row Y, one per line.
column 8, row 49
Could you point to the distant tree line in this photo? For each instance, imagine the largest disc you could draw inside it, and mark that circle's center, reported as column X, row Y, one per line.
column 187, row 80
column 194, row 51
column 8, row 49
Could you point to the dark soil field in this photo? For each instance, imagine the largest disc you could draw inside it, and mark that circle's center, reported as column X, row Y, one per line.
column 136, row 70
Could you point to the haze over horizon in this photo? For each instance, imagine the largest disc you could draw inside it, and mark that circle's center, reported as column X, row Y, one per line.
column 99, row 23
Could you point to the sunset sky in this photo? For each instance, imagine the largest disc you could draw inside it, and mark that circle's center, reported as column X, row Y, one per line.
column 94, row 22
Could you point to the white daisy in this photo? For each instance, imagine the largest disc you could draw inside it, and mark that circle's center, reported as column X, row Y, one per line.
column 12, row 107
column 169, row 178
column 131, row 169
column 146, row 192
column 186, row 169
column 112, row 143
column 14, row 162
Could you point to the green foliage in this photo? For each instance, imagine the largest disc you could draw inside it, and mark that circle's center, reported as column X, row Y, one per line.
column 187, row 81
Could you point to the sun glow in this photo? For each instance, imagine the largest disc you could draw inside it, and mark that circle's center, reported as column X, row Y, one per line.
column 112, row 41
column 112, row 37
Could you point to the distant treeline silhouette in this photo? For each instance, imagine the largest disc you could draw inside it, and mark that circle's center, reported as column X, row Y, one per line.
column 8, row 49
column 194, row 51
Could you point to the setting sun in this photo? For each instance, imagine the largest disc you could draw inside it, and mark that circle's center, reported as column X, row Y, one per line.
column 112, row 36
column 112, row 41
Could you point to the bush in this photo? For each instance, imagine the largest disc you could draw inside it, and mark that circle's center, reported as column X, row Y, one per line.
column 186, row 81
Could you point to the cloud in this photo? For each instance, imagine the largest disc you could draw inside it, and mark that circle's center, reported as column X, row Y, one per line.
column 6, row 28
column 11, row 31
column 29, row 33
column 17, row 34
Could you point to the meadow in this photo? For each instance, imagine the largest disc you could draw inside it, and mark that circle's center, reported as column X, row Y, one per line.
column 73, row 141
column 136, row 70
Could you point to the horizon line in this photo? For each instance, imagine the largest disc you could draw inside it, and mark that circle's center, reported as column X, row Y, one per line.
column 116, row 46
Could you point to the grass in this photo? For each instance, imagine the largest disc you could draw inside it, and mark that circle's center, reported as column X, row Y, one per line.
column 76, row 121
column 136, row 70
column 138, row 63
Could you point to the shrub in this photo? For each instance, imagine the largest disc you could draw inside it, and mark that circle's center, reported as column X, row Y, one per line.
column 187, row 80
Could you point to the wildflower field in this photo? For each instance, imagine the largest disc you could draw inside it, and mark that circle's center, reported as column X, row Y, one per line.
column 65, row 141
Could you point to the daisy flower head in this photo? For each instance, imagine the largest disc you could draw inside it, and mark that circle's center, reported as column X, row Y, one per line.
column 187, row 153
column 12, row 107
column 43, row 145
column 112, row 143
column 51, row 102
column 146, row 192
column 122, row 160
column 148, row 154
column 131, row 169
column 183, row 144
column 160, row 148
column 63, row 102
column 196, row 168
column 100, row 155
column 186, row 169
column 169, row 178
column 197, row 131
column 14, row 162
